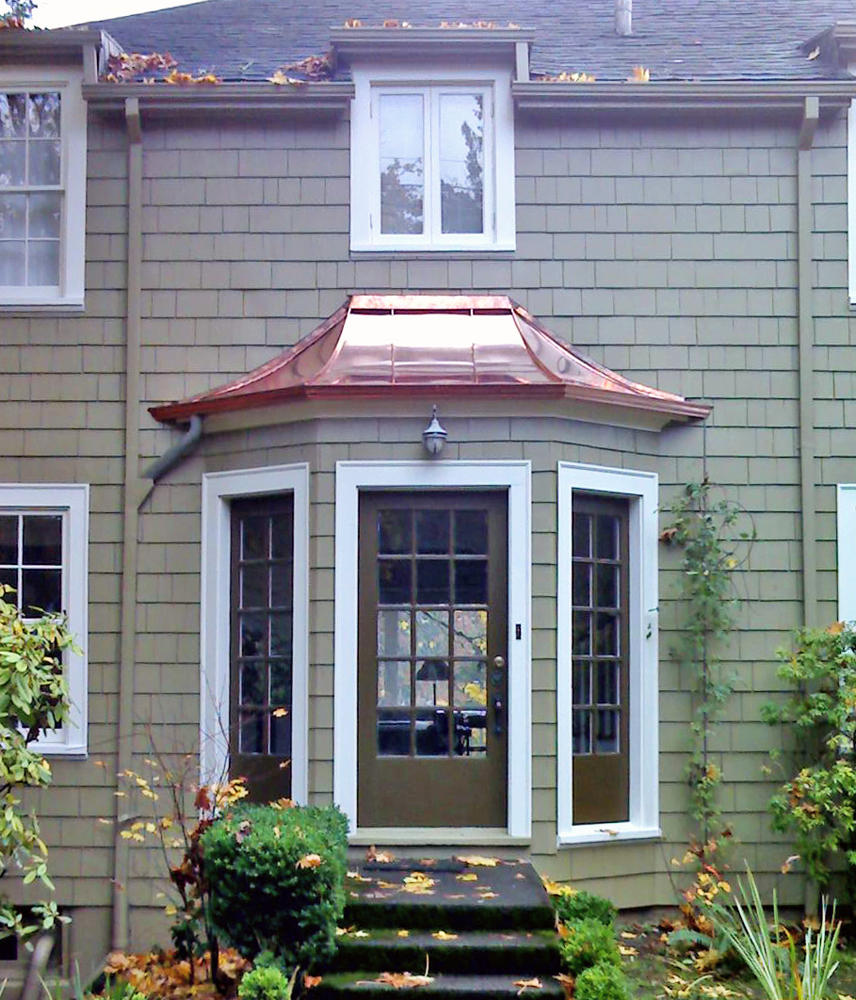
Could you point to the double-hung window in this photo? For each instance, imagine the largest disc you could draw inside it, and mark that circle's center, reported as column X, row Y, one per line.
column 432, row 165
column 607, row 654
column 42, row 190
column 43, row 558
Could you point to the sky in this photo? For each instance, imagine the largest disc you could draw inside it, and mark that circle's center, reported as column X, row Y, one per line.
column 56, row 13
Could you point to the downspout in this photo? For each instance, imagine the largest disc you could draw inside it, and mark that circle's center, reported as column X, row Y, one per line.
column 130, row 528
column 805, row 291
column 807, row 442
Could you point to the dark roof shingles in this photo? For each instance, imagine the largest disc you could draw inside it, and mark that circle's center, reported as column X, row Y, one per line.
column 674, row 39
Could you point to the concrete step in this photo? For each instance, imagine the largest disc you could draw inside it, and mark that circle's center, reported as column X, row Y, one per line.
column 465, row 952
column 363, row 985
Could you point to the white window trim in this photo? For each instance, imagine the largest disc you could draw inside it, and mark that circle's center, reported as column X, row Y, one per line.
column 351, row 477
column 641, row 489
column 72, row 501
column 851, row 198
column 68, row 297
column 218, row 490
column 845, row 495
column 495, row 83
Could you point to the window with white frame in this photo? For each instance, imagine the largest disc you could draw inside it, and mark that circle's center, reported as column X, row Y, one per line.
column 42, row 189
column 43, row 557
column 607, row 654
column 432, row 164
column 846, row 525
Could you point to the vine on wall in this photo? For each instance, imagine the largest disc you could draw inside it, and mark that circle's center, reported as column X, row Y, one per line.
column 707, row 530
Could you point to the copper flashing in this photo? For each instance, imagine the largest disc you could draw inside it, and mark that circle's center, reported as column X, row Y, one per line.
column 393, row 346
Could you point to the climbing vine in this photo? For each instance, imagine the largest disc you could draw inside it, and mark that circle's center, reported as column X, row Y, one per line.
column 708, row 531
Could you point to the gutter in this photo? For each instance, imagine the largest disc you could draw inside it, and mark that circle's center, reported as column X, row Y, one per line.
column 133, row 497
column 806, row 340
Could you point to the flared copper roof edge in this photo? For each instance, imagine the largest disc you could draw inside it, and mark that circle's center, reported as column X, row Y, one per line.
column 676, row 410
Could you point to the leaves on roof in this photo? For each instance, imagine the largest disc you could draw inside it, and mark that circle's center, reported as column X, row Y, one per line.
column 564, row 77
column 155, row 67
column 640, row 74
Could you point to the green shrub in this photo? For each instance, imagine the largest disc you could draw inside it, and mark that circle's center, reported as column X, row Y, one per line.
column 266, row 982
column 571, row 907
column 277, row 880
column 601, row 982
column 589, row 942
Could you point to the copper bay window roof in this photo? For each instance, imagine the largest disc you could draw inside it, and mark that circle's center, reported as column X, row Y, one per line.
column 393, row 346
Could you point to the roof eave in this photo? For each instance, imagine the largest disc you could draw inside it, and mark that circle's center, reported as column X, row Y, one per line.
column 671, row 410
column 740, row 97
column 165, row 99
column 352, row 44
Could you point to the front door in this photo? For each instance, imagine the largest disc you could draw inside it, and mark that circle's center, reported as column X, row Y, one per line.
column 433, row 681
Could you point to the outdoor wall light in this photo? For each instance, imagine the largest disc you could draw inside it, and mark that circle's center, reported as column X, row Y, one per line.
column 434, row 436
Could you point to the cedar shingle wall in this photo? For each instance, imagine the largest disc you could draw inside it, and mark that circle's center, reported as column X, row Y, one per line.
column 667, row 253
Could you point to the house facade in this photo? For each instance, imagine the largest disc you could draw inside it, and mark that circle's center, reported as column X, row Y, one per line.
column 230, row 310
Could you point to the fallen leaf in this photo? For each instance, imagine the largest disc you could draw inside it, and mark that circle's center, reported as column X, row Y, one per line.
column 358, row 878
column 360, row 934
column 309, row 982
column 419, row 883
column 353, row 22
column 467, row 877
column 567, row 984
column 384, row 857
column 310, row 861
column 487, row 895
column 403, row 933
column 627, row 951
column 387, row 885
column 477, row 861
column 528, row 984
column 444, row 936
column 639, row 75
column 629, row 935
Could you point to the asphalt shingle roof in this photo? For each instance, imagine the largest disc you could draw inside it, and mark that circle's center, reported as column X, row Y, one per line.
column 675, row 39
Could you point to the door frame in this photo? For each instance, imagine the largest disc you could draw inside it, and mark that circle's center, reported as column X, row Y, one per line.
column 219, row 489
column 412, row 476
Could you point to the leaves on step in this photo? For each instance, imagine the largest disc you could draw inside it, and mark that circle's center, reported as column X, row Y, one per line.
column 403, row 933
column 419, row 883
column 444, row 936
column 357, row 877
column 384, row 857
column 477, row 861
column 401, row 980
column 467, row 877
column 567, row 984
column 528, row 984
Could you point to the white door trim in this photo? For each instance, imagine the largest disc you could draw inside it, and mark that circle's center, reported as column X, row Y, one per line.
column 351, row 477
column 218, row 490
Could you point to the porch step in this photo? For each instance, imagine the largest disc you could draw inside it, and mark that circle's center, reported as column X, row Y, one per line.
column 479, row 929
column 451, row 987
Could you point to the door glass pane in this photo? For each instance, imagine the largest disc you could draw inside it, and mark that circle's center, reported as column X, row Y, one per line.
column 432, row 732
column 607, row 634
column 581, row 684
column 581, row 585
column 470, row 633
column 393, row 532
column 281, row 584
column 582, row 535
column 607, row 537
column 470, row 733
column 393, row 633
column 253, row 687
column 280, row 734
column 470, row 685
column 471, row 582
column 432, row 532
column 253, row 635
column 471, row 532
column 607, row 731
column 432, row 633
column 607, row 586
column 281, row 627
column 254, row 538
column 393, row 682
column 582, row 633
column 581, row 732
column 254, row 586
column 462, row 163
column 252, row 733
column 401, row 163
column 393, row 732
column 607, row 683
column 432, row 581
column 282, row 540
column 393, row 581
column 280, row 683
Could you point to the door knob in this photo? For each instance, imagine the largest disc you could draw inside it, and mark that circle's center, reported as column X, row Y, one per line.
column 499, row 661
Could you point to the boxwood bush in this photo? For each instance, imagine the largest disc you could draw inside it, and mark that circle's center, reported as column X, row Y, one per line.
column 589, row 942
column 601, row 982
column 277, row 880
column 572, row 907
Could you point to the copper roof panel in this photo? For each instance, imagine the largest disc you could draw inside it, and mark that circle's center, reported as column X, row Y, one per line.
column 383, row 345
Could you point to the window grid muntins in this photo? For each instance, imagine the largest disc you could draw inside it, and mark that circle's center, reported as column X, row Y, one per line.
column 31, row 189
column 597, row 627
column 265, row 613
column 432, row 620
column 31, row 561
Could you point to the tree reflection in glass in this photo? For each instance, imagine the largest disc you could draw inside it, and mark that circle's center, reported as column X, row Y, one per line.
column 401, row 163
column 462, row 163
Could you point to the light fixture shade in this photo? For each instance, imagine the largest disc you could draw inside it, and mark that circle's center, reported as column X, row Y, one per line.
column 434, row 436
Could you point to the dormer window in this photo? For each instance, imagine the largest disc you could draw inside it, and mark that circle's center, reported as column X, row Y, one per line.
column 432, row 163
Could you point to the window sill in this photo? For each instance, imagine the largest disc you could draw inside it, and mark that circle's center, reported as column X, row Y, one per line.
column 500, row 251
column 435, row 837
column 48, row 307
column 618, row 833
column 74, row 751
